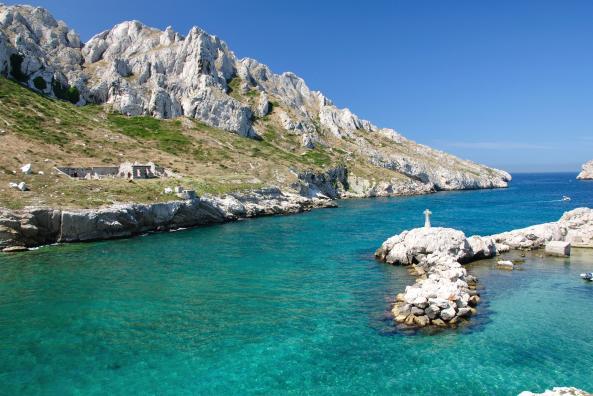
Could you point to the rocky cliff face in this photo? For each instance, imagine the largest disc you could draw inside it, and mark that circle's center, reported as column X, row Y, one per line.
column 139, row 70
column 41, row 226
column 586, row 171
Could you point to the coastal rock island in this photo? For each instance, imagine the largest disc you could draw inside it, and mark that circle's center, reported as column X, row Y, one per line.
column 586, row 171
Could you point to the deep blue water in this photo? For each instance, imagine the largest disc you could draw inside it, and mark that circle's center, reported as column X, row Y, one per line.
column 296, row 305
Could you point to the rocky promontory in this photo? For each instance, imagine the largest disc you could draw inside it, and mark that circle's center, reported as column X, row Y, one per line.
column 586, row 171
column 444, row 293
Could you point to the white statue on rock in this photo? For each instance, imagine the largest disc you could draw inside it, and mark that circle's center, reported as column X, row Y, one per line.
column 427, row 214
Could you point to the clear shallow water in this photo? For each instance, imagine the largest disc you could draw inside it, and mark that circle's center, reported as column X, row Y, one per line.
column 295, row 305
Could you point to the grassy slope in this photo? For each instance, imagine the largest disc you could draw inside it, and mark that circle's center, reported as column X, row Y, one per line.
column 48, row 133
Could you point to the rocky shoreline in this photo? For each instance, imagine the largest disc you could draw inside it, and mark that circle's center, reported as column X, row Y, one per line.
column 444, row 293
column 36, row 226
column 31, row 227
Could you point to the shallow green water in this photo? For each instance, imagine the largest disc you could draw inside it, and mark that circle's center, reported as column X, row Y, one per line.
column 295, row 305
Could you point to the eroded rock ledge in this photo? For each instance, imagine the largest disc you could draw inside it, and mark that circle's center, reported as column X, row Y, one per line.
column 444, row 293
column 41, row 226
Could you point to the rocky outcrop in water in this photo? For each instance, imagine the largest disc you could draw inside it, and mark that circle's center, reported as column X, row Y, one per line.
column 558, row 391
column 586, row 171
column 139, row 70
column 575, row 226
column 444, row 293
column 40, row 226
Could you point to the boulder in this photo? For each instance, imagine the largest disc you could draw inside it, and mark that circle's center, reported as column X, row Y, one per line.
column 417, row 311
column 439, row 323
column 432, row 311
column 462, row 312
column 421, row 321
column 26, row 169
column 448, row 314
column 558, row 248
column 410, row 320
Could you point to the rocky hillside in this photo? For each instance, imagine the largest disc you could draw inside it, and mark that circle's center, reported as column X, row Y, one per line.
column 286, row 134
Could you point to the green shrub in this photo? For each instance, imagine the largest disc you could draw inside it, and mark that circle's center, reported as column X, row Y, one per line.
column 16, row 61
column 39, row 83
column 63, row 92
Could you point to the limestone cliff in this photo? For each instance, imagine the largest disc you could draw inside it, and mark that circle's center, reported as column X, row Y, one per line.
column 139, row 70
column 586, row 171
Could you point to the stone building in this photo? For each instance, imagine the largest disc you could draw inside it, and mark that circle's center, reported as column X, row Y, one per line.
column 126, row 170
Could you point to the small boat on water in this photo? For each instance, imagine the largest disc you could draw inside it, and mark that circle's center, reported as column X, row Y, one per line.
column 565, row 198
column 587, row 276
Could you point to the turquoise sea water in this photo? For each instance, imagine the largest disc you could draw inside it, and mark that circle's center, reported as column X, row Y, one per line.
column 296, row 305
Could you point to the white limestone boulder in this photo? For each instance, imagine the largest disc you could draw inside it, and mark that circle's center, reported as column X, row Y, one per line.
column 26, row 169
column 412, row 246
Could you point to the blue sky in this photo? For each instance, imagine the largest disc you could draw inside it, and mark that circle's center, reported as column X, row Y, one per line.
column 506, row 83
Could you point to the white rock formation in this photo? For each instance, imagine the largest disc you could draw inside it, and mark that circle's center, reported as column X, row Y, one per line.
column 444, row 293
column 558, row 391
column 142, row 70
column 586, row 171
column 436, row 255
column 575, row 227
column 412, row 246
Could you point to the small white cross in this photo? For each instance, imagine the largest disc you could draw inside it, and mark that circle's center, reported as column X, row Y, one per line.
column 427, row 214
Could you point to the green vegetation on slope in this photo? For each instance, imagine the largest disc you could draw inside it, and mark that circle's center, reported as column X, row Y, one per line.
column 167, row 135
column 48, row 133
